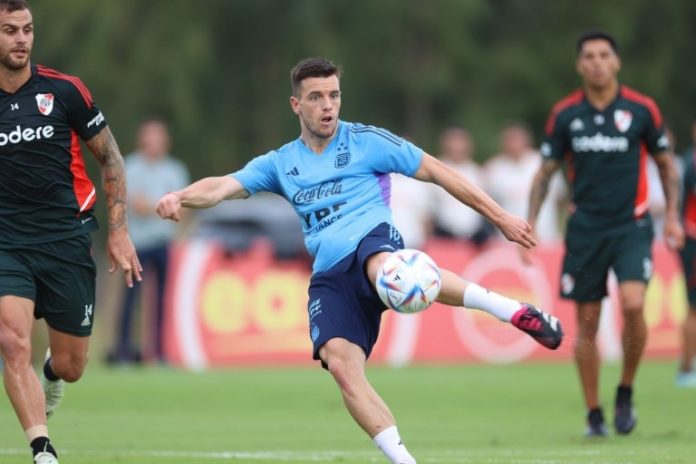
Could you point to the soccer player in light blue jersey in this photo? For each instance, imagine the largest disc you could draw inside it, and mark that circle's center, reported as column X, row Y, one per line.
column 336, row 175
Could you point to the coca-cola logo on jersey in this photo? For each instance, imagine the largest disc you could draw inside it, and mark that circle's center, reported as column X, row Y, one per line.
column 323, row 190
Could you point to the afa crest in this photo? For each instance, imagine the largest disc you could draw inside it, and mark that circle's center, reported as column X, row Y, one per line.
column 342, row 160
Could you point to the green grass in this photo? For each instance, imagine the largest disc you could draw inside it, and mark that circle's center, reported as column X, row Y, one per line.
column 446, row 414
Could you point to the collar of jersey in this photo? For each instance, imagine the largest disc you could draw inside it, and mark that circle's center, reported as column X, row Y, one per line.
column 331, row 144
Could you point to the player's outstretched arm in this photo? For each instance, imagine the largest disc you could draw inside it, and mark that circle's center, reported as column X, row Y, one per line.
column 513, row 227
column 120, row 249
column 204, row 193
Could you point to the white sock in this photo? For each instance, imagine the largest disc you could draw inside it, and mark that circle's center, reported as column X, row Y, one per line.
column 502, row 307
column 389, row 442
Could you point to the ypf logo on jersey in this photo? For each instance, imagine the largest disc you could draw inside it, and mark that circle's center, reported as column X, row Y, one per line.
column 45, row 103
column 622, row 119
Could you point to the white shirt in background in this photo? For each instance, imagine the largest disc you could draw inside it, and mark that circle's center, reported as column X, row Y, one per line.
column 509, row 181
column 453, row 216
column 411, row 205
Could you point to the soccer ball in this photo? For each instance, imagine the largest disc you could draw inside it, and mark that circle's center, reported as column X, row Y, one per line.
column 408, row 281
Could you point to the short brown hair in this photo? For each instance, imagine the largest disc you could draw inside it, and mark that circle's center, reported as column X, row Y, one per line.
column 312, row 67
column 13, row 5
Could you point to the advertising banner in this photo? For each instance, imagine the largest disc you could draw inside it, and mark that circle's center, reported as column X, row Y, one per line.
column 250, row 309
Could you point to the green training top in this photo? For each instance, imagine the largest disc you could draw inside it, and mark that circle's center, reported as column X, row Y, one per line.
column 606, row 154
column 45, row 193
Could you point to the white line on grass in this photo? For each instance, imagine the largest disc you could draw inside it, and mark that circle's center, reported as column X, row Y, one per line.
column 445, row 456
column 299, row 456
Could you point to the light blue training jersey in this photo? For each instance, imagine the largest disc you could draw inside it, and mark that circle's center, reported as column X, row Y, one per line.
column 339, row 195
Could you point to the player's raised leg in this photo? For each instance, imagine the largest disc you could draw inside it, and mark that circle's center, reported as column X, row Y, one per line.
column 455, row 291
column 542, row 327
column 21, row 383
column 346, row 363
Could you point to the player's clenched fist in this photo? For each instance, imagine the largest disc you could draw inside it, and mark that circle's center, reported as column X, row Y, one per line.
column 169, row 206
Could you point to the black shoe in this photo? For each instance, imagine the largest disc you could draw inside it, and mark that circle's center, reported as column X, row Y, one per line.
column 595, row 424
column 625, row 417
column 116, row 358
column 542, row 327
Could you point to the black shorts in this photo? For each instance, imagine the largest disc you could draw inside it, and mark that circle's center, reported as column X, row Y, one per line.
column 60, row 277
column 343, row 303
column 591, row 252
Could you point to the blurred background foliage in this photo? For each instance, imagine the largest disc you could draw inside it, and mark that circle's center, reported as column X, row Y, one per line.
column 218, row 70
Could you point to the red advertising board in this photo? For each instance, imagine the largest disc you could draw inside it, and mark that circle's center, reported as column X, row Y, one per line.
column 251, row 309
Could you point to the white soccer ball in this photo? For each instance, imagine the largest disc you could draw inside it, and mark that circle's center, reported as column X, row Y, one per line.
column 408, row 281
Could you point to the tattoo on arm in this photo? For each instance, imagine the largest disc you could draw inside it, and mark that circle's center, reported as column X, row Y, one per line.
column 105, row 150
column 669, row 180
column 540, row 188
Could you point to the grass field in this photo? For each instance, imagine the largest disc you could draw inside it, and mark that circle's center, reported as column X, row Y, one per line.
column 446, row 414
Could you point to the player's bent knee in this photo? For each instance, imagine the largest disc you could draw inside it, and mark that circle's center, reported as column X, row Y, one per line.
column 344, row 361
column 585, row 343
column 69, row 368
column 338, row 371
column 588, row 332
column 333, row 354
column 344, row 377
column 633, row 308
column 73, row 373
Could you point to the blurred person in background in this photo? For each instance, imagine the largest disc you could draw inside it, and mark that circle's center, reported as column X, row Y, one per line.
column 46, row 205
column 413, row 205
column 686, row 375
column 509, row 176
column 151, row 172
column 452, row 218
column 604, row 131
column 412, row 209
column 336, row 175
